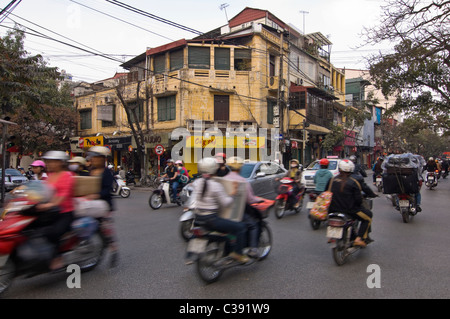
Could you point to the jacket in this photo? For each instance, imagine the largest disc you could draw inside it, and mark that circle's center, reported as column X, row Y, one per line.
column 321, row 179
column 349, row 200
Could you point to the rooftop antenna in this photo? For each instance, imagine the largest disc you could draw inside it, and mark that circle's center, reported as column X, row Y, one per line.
column 224, row 6
column 304, row 12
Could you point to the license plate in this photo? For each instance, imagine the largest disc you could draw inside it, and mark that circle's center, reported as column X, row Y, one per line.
column 378, row 179
column 334, row 232
column 403, row 203
column 431, row 178
column 309, row 205
column 197, row 245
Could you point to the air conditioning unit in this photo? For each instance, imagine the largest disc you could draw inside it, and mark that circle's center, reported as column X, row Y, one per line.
column 276, row 110
column 276, row 122
column 273, row 83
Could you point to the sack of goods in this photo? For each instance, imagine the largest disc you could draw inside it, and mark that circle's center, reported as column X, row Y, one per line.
column 321, row 205
column 401, row 174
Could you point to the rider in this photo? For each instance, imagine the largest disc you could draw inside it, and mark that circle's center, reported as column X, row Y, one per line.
column 322, row 176
column 358, row 167
column 210, row 196
column 251, row 214
column 347, row 198
column 62, row 183
column 98, row 157
column 295, row 172
column 172, row 173
column 377, row 169
column 431, row 165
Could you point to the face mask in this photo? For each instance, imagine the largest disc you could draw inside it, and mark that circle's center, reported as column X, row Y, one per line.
column 294, row 166
column 73, row 167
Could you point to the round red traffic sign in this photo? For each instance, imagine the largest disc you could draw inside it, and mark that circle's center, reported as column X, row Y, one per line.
column 159, row 149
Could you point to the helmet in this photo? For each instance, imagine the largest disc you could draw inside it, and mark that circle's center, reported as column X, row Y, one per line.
column 235, row 163
column 56, row 155
column 346, row 166
column 110, row 166
column 324, row 162
column 99, row 151
column 38, row 163
column 207, row 165
column 352, row 158
column 431, row 159
column 78, row 159
column 179, row 162
column 220, row 158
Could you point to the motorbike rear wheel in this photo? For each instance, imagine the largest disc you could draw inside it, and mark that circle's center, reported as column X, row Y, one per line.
column 7, row 274
column 206, row 267
column 340, row 252
column 155, row 201
column 405, row 214
column 94, row 250
column 280, row 206
column 265, row 242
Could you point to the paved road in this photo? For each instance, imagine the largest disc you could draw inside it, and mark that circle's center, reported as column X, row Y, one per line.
column 413, row 259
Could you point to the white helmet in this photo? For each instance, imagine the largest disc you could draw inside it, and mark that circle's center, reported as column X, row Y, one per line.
column 207, row 165
column 431, row 159
column 56, row 155
column 352, row 158
column 99, row 151
column 346, row 166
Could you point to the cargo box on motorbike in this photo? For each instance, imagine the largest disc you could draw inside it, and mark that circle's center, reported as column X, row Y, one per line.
column 398, row 184
column 86, row 185
column 236, row 210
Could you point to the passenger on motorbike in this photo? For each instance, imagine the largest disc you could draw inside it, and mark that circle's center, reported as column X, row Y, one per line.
column 322, row 176
column 61, row 206
column 347, row 198
column 223, row 169
column 377, row 169
column 98, row 157
column 358, row 167
column 251, row 215
column 210, row 195
column 38, row 168
column 78, row 166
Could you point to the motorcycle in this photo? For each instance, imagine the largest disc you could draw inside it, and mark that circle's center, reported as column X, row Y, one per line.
column 379, row 182
column 342, row 231
column 285, row 199
column 130, row 178
column 188, row 217
column 121, row 188
column 163, row 194
column 315, row 223
column 431, row 180
column 212, row 250
column 406, row 204
column 24, row 251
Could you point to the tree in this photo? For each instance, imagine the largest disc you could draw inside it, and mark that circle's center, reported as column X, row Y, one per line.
column 31, row 97
column 419, row 68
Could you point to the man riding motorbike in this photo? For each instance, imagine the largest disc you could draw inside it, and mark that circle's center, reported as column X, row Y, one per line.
column 209, row 196
column 358, row 168
column 347, row 198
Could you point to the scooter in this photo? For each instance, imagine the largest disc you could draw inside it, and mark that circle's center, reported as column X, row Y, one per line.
column 406, row 204
column 163, row 194
column 24, row 251
column 211, row 248
column 431, row 180
column 379, row 182
column 342, row 231
column 315, row 223
column 286, row 200
column 121, row 188
column 130, row 178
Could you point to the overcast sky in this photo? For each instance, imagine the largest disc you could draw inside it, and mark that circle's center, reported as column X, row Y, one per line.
column 95, row 26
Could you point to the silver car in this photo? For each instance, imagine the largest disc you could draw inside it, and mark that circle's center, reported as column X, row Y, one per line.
column 13, row 178
column 261, row 176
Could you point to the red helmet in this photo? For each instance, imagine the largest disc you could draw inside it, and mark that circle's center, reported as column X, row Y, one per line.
column 324, row 161
column 221, row 155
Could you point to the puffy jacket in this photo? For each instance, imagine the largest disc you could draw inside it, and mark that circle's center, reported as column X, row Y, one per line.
column 321, row 179
column 348, row 199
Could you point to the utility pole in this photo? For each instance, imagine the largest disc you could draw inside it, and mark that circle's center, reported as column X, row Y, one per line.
column 280, row 94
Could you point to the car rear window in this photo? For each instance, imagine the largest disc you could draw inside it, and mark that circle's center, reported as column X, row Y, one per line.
column 246, row 170
column 315, row 166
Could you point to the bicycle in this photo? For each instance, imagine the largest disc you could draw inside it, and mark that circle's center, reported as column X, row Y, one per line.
column 150, row 180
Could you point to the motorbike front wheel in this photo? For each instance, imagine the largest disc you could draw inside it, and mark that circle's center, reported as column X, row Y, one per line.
column 280, row 206
column 125, row 193
column 92, row 252
column 155, row 201
column 265, row 242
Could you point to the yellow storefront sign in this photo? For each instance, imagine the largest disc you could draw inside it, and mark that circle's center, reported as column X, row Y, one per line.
column 93, row 141
column 225, row 142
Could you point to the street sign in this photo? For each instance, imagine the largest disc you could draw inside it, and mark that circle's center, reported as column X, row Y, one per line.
column 159, row 149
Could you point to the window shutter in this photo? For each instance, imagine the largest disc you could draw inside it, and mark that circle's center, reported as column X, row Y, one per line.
column 159, row 63
column 222, row 59
column 176, row 60
column 199, row 58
